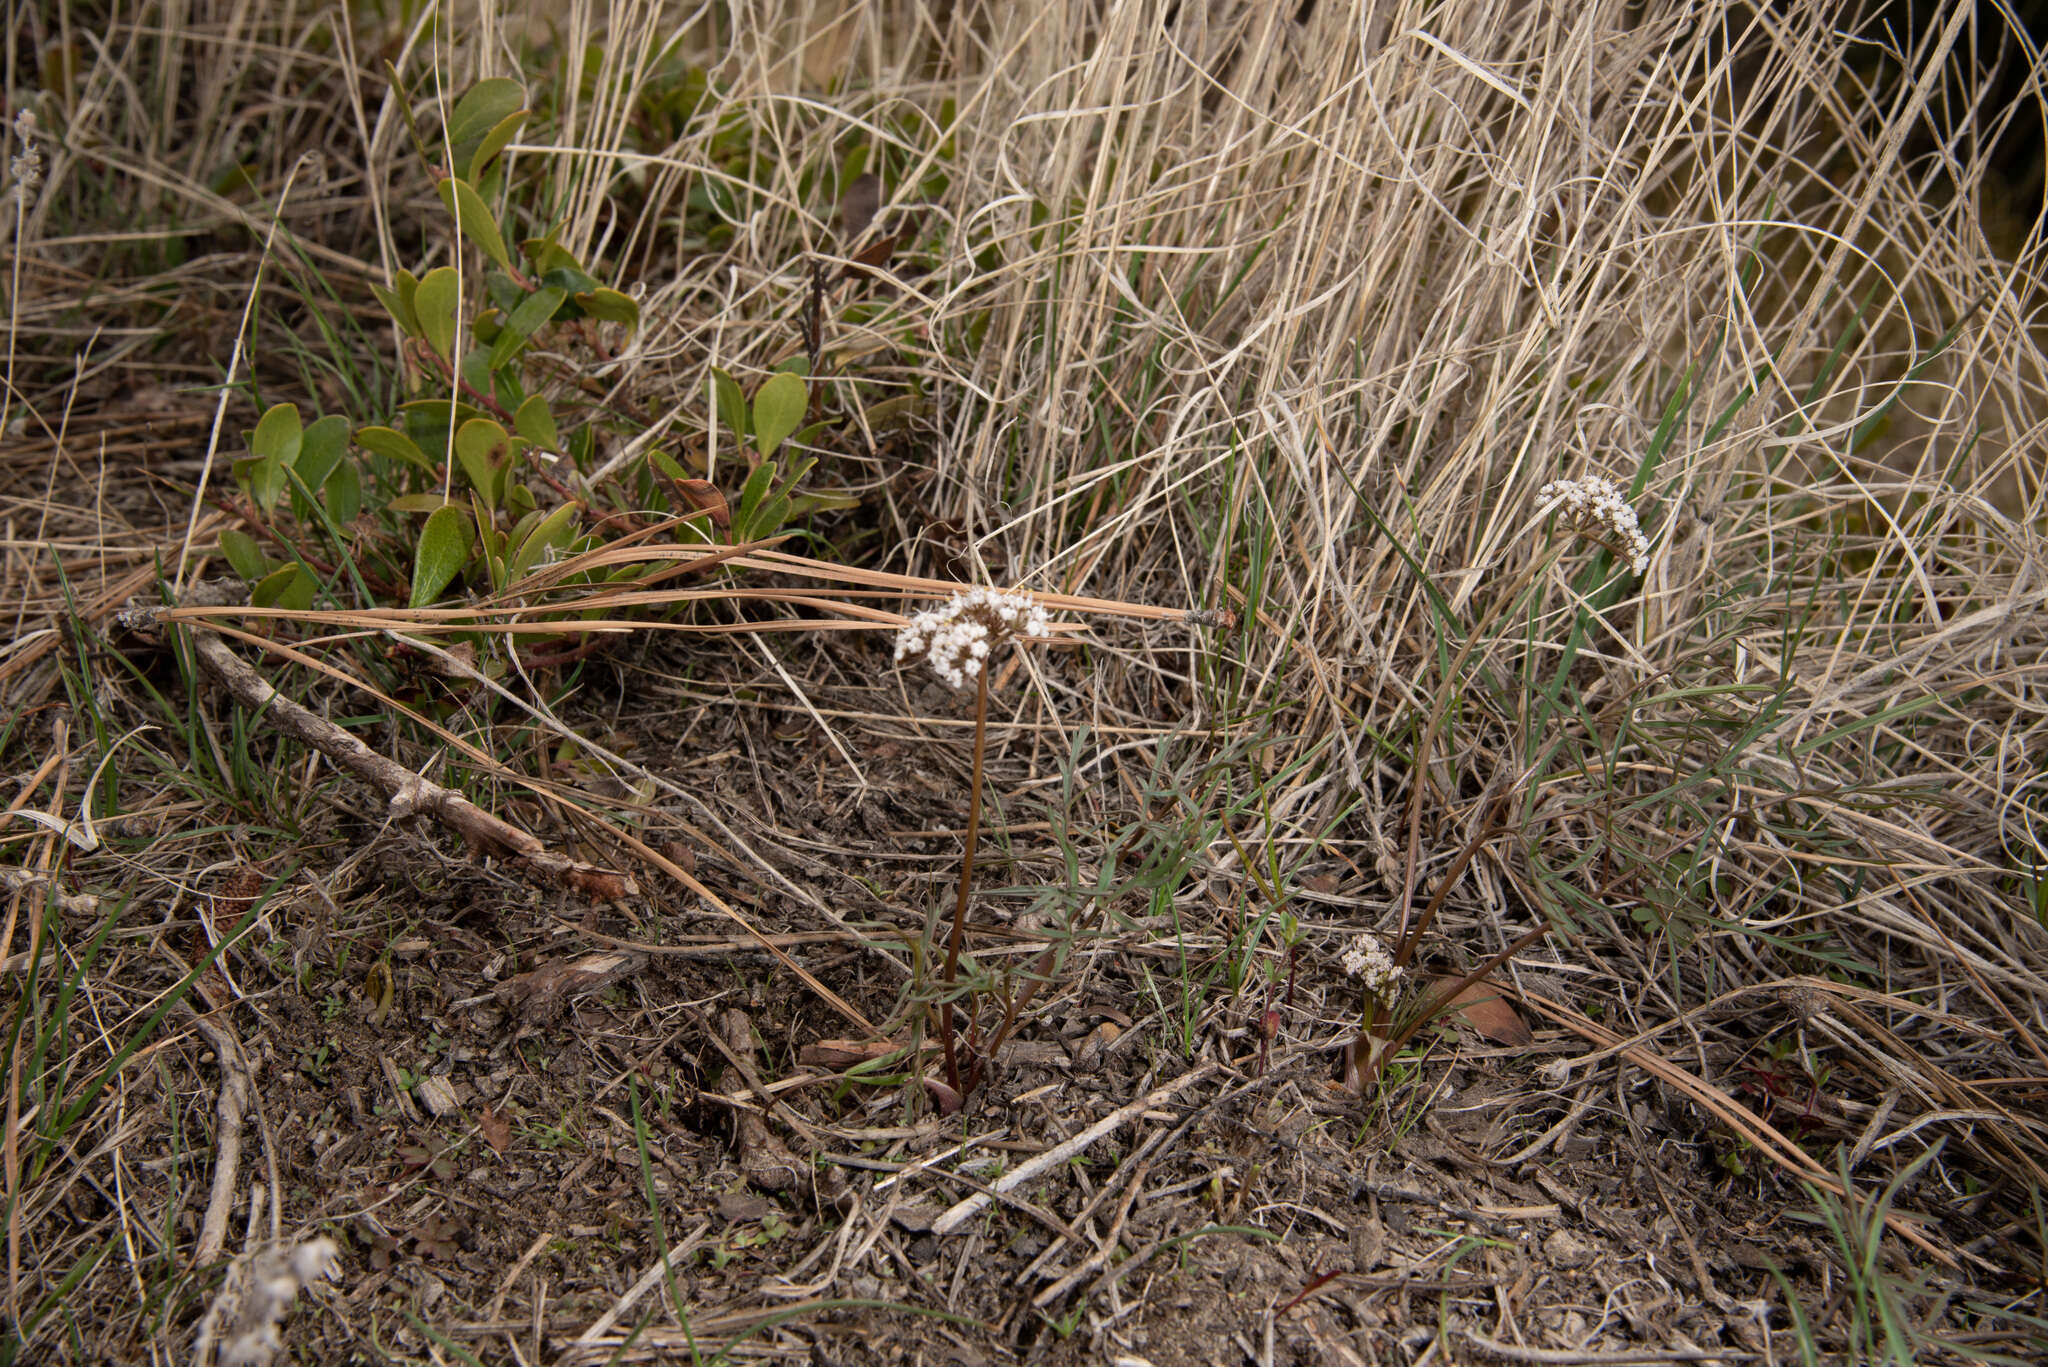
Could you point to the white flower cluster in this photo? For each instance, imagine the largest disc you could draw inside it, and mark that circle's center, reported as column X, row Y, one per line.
column 1368, row 959
column 274, row 1283
column 956, row 639
column 1597, row 506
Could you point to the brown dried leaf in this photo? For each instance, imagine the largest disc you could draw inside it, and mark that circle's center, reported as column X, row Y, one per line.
column 703, row 497
column 844, row 1053
column 496, row 1130
column 1482, row 1007
column 857, row 207
column 540, row 996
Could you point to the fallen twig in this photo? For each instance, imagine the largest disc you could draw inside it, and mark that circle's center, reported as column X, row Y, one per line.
column 408, row 793
column 237, row 1090
column 1024, row 1172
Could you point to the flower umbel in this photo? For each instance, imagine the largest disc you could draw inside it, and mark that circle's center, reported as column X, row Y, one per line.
column 1596, row 506
column 1368, row 959
column 956, row 639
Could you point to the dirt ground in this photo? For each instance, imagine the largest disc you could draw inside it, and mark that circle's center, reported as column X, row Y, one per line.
column 502, row 1149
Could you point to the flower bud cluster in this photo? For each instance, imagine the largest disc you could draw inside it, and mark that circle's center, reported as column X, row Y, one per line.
column 25, row 169
column 1596, row 506
column 956, row 639
column 1368, row 959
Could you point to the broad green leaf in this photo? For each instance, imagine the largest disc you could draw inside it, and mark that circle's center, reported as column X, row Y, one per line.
column 477, row 115
column 244, row 556
column 483, row 448
column 444, row 547
column 431, row 423
column 435, row 302
column 610, row 305
column 278, row 434
column 393, row 445
column 290, row 588
column 473, row 217
column 536, row 422
column 344, row 493
column 728, row 404
column 320, row 449
column 263, row 479
column 778, row 411
column 475, row 369
column 531, row 315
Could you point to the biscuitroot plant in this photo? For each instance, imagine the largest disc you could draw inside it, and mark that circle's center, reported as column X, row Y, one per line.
column 1592, row 509
column 959, row 641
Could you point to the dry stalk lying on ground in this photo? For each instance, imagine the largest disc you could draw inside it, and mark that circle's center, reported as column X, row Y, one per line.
column 407, row 793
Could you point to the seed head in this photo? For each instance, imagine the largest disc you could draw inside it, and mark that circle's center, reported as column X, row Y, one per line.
column 956, row 639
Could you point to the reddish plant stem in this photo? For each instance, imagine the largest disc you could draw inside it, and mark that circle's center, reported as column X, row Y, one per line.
column 966, row 875
column 489, row 402
column 1018, row 1001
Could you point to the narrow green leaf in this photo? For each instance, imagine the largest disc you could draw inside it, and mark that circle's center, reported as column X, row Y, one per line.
column 728, row 404
column 551, row 533
column 531, row 315
column 399, row 306
column 493, row 143
column 474, row 218
column 778, row 411
column 491, row 541
column 444, row 547
column 751, row 493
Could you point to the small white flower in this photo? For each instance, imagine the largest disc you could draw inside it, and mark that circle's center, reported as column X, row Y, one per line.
column 1596, row 506
column 1368, row 959
column 272, row 1285
column 956, row 639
